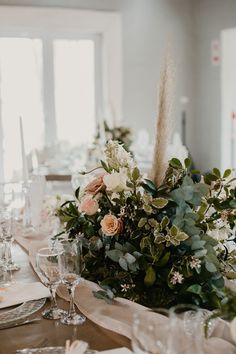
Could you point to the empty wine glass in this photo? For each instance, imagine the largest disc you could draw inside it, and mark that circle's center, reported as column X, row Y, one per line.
column 49, row 263
column 72, row 266
column 186, row 330
column 150, row 331
column 7, row 226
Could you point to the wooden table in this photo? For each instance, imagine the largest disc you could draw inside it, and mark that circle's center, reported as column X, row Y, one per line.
column 52, row 332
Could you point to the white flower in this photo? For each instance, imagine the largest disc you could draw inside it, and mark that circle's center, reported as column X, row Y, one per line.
column 116, row 181
column 195, row 263
column 233, row 329
column 219, row 234
column 177, row 278
column 117, row 157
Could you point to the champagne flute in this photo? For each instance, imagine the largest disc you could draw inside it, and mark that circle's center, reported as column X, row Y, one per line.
column 72, row 266
column 48, row 264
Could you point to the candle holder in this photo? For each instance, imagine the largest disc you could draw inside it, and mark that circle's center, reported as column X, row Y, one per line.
column 27, row 220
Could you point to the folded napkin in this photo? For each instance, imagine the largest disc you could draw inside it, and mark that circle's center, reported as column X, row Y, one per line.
column 80, row 347
column 18, row 293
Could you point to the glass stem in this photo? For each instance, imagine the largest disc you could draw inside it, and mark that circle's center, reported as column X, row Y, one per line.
column 8, row 252
column 53, row 297
column 72, row 305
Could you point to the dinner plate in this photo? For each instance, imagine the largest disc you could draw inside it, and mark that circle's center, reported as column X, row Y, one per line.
column 20, row 312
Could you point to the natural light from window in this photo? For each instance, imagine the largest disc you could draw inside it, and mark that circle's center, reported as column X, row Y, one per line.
column 21, row 95
column 74, row 72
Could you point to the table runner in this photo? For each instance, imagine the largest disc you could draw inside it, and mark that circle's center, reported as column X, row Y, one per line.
column 118, row 315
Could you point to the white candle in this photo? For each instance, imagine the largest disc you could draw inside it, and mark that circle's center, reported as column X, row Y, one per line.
column 25, row 173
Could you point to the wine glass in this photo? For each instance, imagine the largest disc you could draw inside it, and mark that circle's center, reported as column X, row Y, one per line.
column 49, row 265
column 7, row 226
column 150, row 331
column 186, row 329
column 72, row 266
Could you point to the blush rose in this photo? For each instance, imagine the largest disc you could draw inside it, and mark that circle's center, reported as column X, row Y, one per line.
column 88, row 205
column 95, row 186
column 111, row 225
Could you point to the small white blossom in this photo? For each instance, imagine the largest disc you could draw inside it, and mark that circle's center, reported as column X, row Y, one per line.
column 126, row 287
column 177, row 278
column 195, row 263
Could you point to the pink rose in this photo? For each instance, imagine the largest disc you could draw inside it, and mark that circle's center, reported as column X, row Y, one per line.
column 95, row 185
column 111, row 225
column 88, row 205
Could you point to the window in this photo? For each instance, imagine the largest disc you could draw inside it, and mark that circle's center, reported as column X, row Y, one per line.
column 59, row 69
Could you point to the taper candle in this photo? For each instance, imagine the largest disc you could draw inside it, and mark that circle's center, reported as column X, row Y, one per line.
column 25, row 173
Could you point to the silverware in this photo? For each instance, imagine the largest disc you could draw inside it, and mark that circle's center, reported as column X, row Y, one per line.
column 19, row 323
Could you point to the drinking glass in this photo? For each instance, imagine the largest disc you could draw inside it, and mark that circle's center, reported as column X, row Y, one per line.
column 49, row 265
column 7, row 226
column 186, row 330
column 72, row 266
column 150, row 331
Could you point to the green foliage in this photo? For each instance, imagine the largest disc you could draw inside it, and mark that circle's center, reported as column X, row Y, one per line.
column 164, row 253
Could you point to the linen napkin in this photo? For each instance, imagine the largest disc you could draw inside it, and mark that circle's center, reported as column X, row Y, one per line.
column 18, row 293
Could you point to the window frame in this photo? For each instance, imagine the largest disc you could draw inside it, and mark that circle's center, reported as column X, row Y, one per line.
column 60, row 23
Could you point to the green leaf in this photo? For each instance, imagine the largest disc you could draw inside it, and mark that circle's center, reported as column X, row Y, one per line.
column 150, row 184
column 135, row 174
column 159, row 203
column 187, row 162
column 129, row 258
column 164, row 222
column 77, row 193
column 147, row 209
column 210, row 267
column 181, row 236
column 153, row 223
column 173, row 230
column 195, row 289
column 227, row 173
column 114, row 255
column 150, row 276
column 175, row 163
column 232, row 203
column 123, row 263
column 142, row 222
column 145, row 243
column 216, row 172
column 106, row 168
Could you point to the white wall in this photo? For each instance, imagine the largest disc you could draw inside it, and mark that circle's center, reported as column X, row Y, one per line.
column 147, row 27
column 210, row 17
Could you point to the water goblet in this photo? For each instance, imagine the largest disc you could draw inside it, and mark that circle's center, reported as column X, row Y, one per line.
column 72, row 266
column 48, row 265
column 150, row 331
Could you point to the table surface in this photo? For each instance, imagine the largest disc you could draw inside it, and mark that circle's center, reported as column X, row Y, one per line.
column 51, row 332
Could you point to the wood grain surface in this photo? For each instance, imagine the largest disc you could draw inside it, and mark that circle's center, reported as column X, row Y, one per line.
column 51, row 332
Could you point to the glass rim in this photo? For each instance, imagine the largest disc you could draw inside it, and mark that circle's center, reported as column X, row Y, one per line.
column 50, row 252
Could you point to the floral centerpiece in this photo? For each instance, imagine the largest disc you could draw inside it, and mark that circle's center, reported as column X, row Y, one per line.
column 156, row 245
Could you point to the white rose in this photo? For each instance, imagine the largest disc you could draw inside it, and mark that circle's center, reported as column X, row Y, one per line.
column 219, row 234
column 233, row 329
column 115, row 182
